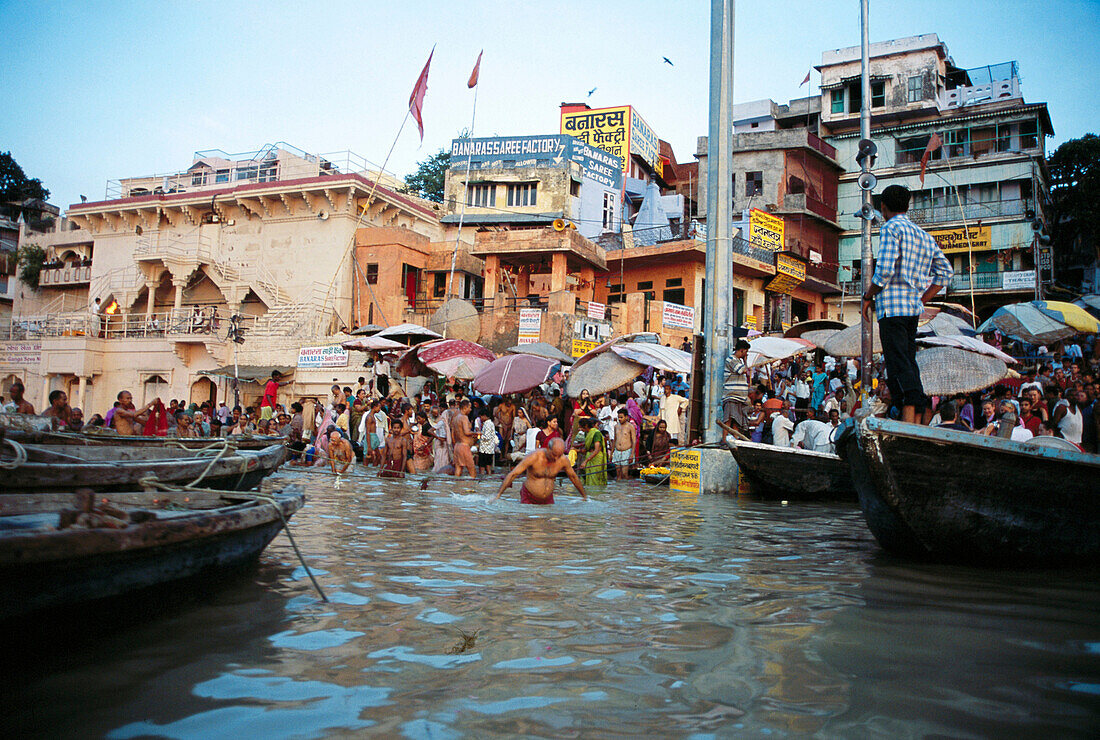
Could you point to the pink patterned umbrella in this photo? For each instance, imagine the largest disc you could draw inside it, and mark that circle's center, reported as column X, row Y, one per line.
column 514, row 374
column 455, row 358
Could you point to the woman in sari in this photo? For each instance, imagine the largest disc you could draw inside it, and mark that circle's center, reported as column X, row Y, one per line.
column 422, row 445
column 662, row 443
column 320, row 456
column 594, row 465
column 634, row 411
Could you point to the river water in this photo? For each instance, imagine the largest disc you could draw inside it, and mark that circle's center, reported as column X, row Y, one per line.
column 641, row 612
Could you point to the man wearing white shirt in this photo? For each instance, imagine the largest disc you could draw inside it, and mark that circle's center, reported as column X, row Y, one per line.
column 672, row 406
column 812, row 434
column 781, row 429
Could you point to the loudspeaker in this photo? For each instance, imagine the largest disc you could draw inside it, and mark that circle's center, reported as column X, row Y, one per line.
column 867, row 181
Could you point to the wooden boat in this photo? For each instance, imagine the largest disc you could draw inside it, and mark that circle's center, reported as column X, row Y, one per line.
column 122, row 468
column 52, row 553
column 102, row 438
column 792, row 473
column 951, row 495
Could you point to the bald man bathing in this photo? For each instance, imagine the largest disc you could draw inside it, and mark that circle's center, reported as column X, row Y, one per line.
column 541, row 467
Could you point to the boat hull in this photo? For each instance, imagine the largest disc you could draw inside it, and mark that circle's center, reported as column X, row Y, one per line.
column 40, row 571
column 68, row 468
column 791, row 473
column 948, row 495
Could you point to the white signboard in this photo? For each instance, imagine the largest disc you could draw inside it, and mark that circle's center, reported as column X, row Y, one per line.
column 20, row 354
column 1019, row 280
column 530, row 325
column 330, row 356
column 675, row 316
column 596, row 310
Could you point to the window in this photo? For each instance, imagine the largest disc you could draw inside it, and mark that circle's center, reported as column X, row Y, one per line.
column 522, row 194
column 754, row 184
column 439, row 286
column 248, row 172
column 1029, row 134
column 267, row 172
column 645, row 285
column 676, row 295
column 615, row 294
column 608, row 210
column 221, row 176
column 674, row 282
column 957, row 142
column 754, row 124
column 198, row 178
column 3, row 284
column 855, row 98
column 915, row 90
column 574, row 188
column 878, row 94
column 372, row 273
column 482, row 195
column 837, row 97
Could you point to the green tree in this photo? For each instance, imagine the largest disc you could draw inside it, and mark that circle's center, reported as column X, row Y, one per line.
column 427, row 181
column 1075, row 201
column 30, row 258
column 15, row 186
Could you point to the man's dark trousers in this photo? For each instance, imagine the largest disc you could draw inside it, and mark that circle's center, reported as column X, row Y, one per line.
column 899, row 346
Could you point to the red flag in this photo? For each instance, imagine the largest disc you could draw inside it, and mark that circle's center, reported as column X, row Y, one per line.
column 805, row 80
column 416, row 99
column 476, row 72
column 934, row 143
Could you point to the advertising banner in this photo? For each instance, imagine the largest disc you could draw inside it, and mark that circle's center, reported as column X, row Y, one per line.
column 954, row 239
column 684, row 471
column 20, row 354
column 596, row 310
column 765, row 230
column 582, row 347
column 790, row 272
column 1019, row 280
column 330, row 356
column 530, row 325
column 676, row 316
column 605, row 128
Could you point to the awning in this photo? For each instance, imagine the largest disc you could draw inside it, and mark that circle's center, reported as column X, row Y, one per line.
column 248, row 373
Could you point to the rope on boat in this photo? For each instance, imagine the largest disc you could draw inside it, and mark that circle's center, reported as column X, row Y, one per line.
column 20, row 455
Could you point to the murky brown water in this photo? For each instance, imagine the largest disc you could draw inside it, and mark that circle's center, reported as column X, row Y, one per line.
column 639, row 613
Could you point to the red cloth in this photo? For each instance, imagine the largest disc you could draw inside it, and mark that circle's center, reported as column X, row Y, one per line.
column 525, row 498
column 157, row 423
column 934, row 143
column 416, row 99
column 477, row 71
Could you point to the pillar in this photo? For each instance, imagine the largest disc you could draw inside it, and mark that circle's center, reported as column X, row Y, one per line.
column 177, row 302
column 81, row 387
column 587, row 290
column 558, row 272
column 523, row 282
column 150, row 304
column 45, row 403
column 492, row 276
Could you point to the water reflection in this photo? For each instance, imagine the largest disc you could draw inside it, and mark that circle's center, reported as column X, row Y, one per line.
column 640, row 612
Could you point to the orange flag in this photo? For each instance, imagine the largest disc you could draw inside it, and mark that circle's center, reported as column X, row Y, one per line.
column 477, row 71
column 416, row 99
column 934, row 143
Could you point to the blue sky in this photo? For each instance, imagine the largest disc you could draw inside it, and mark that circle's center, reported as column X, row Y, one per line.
column 99, row 90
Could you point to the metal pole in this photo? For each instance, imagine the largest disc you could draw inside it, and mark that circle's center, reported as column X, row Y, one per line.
column 719, row 266
column 866, row 255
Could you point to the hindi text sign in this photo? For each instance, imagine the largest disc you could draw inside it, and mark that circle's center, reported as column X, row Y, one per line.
column 329, row 356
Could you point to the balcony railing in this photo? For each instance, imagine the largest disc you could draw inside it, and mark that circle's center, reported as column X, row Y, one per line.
column 65, row 275
column 944, row 213
column 1000, row 280
column 748, row 249
column 194, row 322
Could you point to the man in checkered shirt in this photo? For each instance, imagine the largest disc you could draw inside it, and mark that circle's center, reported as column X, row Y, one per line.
column 909, row 270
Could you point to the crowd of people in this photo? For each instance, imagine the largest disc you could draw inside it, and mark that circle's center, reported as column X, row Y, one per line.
column 799, row 402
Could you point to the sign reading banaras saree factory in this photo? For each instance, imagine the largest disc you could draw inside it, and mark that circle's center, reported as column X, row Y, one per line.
column 619, row 131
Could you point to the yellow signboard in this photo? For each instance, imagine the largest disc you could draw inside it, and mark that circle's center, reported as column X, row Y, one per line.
column 604, row 128
column 684, row 471
column 954, row 239
column 750, row 322
column 765, row 230
column 583, row 346
column 790, row 272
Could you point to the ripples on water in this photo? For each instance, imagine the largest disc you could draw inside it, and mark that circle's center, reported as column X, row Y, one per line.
column 641, row 612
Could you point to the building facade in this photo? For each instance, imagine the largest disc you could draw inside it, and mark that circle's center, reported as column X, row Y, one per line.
column 985, row 191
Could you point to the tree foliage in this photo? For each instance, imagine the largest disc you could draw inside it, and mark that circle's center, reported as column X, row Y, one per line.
column 427, row 181
column 30, row 257
column 15, row 186
column 1075, row 198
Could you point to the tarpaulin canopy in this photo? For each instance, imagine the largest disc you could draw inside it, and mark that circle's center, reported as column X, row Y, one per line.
column 1026, row 323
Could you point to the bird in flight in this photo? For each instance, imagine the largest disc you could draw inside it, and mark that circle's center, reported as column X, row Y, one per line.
column 668, row 61
column 591, row 91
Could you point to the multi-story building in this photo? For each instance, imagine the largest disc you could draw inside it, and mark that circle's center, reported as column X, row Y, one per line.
column 984, row 187
column 273, row 236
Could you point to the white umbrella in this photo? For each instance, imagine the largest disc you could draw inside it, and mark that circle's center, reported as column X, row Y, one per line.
column 763, row 350
column 373, row 344
column 655, row 355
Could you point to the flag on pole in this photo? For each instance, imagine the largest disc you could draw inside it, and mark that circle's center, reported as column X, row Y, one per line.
column 416, row 99
column 477, row 71
column 934, row 143
column 805, row 80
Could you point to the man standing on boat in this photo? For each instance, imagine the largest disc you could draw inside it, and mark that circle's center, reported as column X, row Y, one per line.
column 910, row 269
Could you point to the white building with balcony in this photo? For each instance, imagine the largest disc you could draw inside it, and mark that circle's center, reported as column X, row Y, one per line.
column 983, row 187
column 267, row 235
